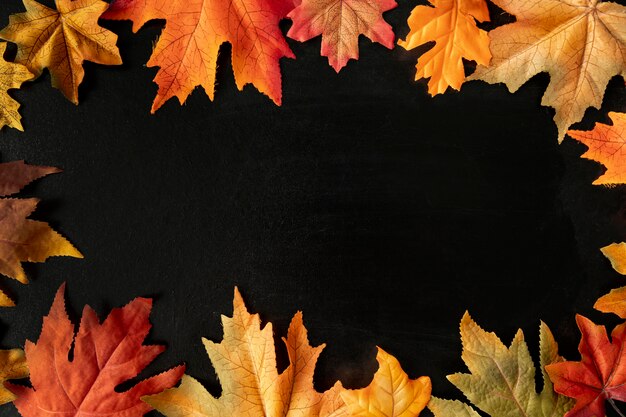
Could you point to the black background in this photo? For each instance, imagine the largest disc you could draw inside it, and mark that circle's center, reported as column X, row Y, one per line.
column 380, row 212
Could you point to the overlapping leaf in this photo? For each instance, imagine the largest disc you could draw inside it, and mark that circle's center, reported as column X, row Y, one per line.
column 580, row 43
column 501, row 381
column 245, row 362
column 23, row 239
column 61, row 40
column 11, row 76
column 599, row 376
column 606, row 145
column 104, row 355
column 451, row 24
column 186, row 52
column 12, row 366
column 340, row 22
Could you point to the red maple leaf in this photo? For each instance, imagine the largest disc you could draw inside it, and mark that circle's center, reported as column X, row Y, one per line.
column 105, row 355
column 599, row 376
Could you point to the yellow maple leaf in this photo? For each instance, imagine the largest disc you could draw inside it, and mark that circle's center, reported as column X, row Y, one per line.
column 12, row 366
column 391, row 393
column 606, row 145
column 580, row 43
column 61, row 40
column 501, row 381
column 452, row 25
column 245, row 362
column 11, row 76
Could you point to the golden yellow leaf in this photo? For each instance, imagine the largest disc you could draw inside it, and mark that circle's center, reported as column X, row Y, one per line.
column 580, row 43
column 11, row 76
column 452, row 25
column 12, row 366
column 391, row 392
column 245, row 362
column 613, row 302
column 616, row 253
column 61, row 40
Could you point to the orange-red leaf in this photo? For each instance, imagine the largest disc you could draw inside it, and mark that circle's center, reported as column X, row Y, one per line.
column 599, row 376
column 340, row 22
column 61, row 40
column 187, row 50
column 606, row 145
column 451, row 24
column 104, row 355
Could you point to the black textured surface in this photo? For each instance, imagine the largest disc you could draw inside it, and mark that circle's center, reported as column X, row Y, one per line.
column 380, row 212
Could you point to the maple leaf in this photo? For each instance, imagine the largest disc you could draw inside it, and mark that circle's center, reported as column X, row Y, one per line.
column 614, row 301
column 452, row 25
column 599, row 376
column 502, row 380
column 61, row 40
column 11, row 76
column 12, row 366
column 340, row 22
column 186, row 51
column 606, row 145
column 580, row 43
column 23, row 239
column 245, row 362
column 104, row 355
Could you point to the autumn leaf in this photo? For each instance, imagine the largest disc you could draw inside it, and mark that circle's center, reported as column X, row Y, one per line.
column 580, row 43
column 12, row 366
column 606, row 143
column 501, row 381
column 23, row 239
column 61, row 40
column 391, row 392
column 11, row 76
column 451, row 24
column 340, row 22
column 104, row 355
column 186, row 51
column 599, row 376
column 245, row 362
column 614, row 301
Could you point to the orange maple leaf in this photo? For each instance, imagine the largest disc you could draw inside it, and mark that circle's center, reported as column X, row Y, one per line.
column 606, row 145
column 61, row 40
column 187, row 50
column 580, row 43
column 452, row 25
column 599, row 376
column 340, row 22
column 23, row 239
column 104, row 355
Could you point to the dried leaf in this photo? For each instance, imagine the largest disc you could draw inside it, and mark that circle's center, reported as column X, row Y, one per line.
column 606, row 145
column 22, row 239
column 451, row 24
column 245, row 362
column 104, row 355
column 599, row 376
column 61, row 40
column 501, row 381
column 580, row 43
column 12, row 366
column 187, row 50
column 391, row 392
column 340, row 22
column 11, row 76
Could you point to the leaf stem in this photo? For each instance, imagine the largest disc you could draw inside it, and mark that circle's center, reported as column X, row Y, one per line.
column 615, row 407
